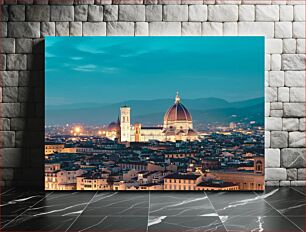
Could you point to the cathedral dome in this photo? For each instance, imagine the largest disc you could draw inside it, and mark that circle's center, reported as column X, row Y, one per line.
column 177, row 112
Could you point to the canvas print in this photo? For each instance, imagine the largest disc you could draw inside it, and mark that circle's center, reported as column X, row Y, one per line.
column 154, row 113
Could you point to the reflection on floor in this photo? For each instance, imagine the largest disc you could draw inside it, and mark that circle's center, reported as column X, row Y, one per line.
column 274, row 210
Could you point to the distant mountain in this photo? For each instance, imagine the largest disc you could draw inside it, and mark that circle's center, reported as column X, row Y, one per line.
column 151, row 112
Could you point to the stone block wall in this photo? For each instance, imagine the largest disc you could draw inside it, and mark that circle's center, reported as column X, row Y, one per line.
column 24, row 24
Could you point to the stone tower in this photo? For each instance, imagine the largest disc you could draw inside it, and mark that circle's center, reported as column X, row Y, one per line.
column 125, row 124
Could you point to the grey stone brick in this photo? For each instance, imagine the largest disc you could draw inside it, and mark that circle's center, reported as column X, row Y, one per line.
column 7, row 45
column 62, row 28
column 294, row 109
column 62, row 13
column 296, row 139
column 293, row 61
column 120, row 28
column 95, row 13
column 61, row 2
column 141, row 29
column 267, row 139
column 273, row 123
column 17, row 12
column 267, row 13
column 5, row 124
column 24, row 45
column 2, row 62
column 267, row 62
column 273, row 46
column 290, row 124
column 154, row 13
column 24, row 29
column 271, row 94
column 301, row 174
column 150, row 2
column 131, row 13
column 276, row 113
column 272, row 158
column 279, row 139
column 300, row 46
column 41, row 2
column 8, row 139
column 76, row 28
column 164, row 28
column 276, row 105
column 94, row 28
column 12, row 157
column 11, row 109
column 302, row 124
column 277, row 78
column 283, row 94
column 283, row 30
column 110, row 12
column 286, row 13
column 4, row 15
column 275, row 62
column 197, row 13
column 297, row 183
column 267, row 109
column 272, row 183
column 298, row 30
column 256, row 28
column 191, row 28
column 230, row 28
column 246, row 13
column 222, row 13
column 3, row 29
column 212, row 28
column 284, row 183
column 297, row 94
column 47, row 29
column 103, row 2
column 82, row 2
column 121, row 2
column 293, row 157
column 289, row 45
column 16, row 62
column 9, row 94
column 80, row 12
column 9, row 78
column 299, row 13
column 38, row 13
column 272, row 174
column 295, row 78
column 291, row 174
column 175, row 13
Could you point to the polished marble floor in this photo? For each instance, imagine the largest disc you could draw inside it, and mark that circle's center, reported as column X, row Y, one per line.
column 275, row 210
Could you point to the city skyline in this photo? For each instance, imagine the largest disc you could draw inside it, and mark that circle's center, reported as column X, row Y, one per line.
column 230, row 68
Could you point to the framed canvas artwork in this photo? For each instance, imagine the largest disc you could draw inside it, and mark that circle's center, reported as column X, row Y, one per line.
column 154, row 113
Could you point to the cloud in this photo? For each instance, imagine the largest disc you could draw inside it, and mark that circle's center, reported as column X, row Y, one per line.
column 109, row 70
column 134, row 54
column 76, row 58
column 86, row 68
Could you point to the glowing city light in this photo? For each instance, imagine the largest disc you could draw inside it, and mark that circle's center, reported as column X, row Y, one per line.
column 77, row 130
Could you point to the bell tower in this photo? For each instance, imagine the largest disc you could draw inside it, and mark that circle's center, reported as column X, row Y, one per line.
column 125, row 124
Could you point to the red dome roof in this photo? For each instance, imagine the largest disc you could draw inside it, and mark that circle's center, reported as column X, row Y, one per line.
column 177, row 112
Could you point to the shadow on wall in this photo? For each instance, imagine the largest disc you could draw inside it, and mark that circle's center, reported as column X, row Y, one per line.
column 31, row 138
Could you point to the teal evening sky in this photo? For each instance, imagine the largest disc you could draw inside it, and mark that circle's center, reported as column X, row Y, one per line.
column 115, row 69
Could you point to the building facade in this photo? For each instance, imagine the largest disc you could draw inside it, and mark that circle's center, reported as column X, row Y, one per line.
column 177, row 125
